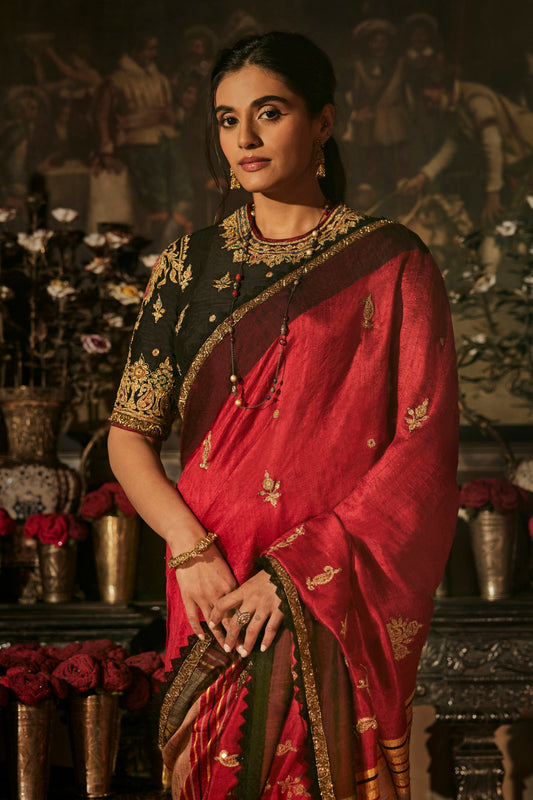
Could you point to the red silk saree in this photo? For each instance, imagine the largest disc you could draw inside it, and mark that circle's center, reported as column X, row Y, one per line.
column 342, row 487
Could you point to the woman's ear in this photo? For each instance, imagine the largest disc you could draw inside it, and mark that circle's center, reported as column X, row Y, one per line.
column 327, row 119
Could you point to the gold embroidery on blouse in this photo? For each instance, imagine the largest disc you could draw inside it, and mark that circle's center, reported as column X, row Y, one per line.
column 222, row 283
column 401, row 633
column 300, row 531
column 158, row 309
column 415, row 417
column 368, row 311
column 169, row 266
column 180, row 319
column 147, row 395
column 322, row 578
column 184, row 276
column 294, row 787
column 155, row 351
column 371, row 442
column 285, row 747
column 269, row 492
column 227, row 759
column 323, row 767
column 224, row 328
column 206, row 444
column 344, row 623
column 212, row 318
column 366, row 724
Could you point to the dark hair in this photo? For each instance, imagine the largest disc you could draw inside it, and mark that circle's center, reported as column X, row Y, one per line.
column 306, row 70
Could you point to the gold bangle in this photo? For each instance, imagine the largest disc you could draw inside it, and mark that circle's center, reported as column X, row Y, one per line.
column 201, row 547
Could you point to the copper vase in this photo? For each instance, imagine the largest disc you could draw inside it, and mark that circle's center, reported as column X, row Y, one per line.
column 58, row 570
column 29, row 744
column 116, row 542
column 94, row 726
column 494, row 537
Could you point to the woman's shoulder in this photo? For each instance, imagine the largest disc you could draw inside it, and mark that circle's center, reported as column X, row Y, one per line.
column 386, row 232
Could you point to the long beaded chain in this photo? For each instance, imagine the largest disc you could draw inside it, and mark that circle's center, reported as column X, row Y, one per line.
column 275, row 384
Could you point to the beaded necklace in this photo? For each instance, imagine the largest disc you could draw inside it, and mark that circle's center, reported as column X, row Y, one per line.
column 275, row 384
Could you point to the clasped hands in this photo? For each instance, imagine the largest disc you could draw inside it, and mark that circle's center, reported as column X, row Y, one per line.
column 208, row 584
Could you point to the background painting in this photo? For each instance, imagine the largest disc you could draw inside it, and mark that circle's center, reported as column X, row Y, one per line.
column 78, row 117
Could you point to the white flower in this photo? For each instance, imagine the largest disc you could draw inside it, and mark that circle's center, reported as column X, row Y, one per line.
column 59, row 289
column 94, row 240
column 479, row 338
column 454, row 297
column 7, row 214
column 464, row 514
column 125, row 293
column 507, row 228
column 116, row 239
column 64, row 214
column 34, row 242
column 483, row 284
column 93, row 343
column 529, row 199
column 98, row 265
column 466, row 274
column 114, row 320
column 150, row 260
column 6, row 293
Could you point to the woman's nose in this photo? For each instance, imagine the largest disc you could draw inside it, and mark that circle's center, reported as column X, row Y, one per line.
column 248, row 136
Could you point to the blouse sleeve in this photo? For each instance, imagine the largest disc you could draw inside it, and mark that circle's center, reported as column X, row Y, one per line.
column 146, row 400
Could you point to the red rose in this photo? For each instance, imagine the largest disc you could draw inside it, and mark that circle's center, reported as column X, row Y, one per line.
column 475, row 494
column 116, row 675
column 118, row 653
column 139, row 691
column 123, row 503
column 76, row 529
column 7, row 524
column 28, row 687
column 81, row 672
column 98, row 648
column 32, row 526
column 49, row 528
column 59, row 687
column 148, row 662
column 19, row 655
column 61, row 652
column 504, row 496
column 158, row 679
column 96, row 504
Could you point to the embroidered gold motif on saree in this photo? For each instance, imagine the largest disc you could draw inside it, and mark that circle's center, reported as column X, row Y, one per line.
column 222, row 283
column 370, row 443
column 415, row 417
column 368, row 312
column 362, row 683
column 300, row 531
column 344, row 623
column 323, row 578
column 269, row 492
column 206, row 444
column 294, row 787
column 401, row 633
column 158, row 309
column 147, row 396
column 180, row 319
column 275, row 415
column 285, row 747
column 366, row 724
column 228, row 759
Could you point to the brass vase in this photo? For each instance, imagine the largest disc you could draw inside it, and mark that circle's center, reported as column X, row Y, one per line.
column 94, row 727
column 494, row 537
column 29, row 744
column 58, row 570
column 116, row 543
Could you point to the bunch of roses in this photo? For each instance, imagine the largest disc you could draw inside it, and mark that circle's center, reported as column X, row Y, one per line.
column 7, row 523
column 495, row 494
column 54, row 528
column 147, row 677
column 110, row 498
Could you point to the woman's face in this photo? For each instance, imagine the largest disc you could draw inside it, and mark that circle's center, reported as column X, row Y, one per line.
column 266, row 132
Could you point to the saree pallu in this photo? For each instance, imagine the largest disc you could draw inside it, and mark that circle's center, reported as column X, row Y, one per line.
column 343, row 488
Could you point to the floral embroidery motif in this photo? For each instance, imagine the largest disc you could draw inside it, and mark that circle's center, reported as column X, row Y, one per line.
column 285, row 747
column 415, row 417
column 222, row 283
column 366, row 724
column 371, row 442
column 146, row 399
column 324, row 577
column 368, row 311
column 294, row 787
column 344, row 623
column 212, row 318
column 300, row 531
column 362, row 683
column 168, row 267
column 275, row 415
column 155, row 351
column 158, row 309
column 227, row 759
column 184, row 276
column 245, row 674
column 270, row 491
column 401, row 633
column 206, row 444
column 180, row 319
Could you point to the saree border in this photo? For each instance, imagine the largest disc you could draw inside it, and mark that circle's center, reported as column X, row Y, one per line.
column 323, row 766
column 224, row 328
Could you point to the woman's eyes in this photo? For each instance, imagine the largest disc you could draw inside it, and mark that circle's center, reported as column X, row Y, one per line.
column 266, row 113
column 227, row 122
column 270, row 113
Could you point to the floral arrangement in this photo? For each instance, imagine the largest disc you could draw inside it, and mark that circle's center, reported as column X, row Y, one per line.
column 66, row 300
column 109, row 498
column 7, row 523
column 494, row 494
column 55, row 528
column 32, row 673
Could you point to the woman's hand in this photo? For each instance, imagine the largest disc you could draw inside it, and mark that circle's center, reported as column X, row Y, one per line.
column 257, row 597
column 202, row 582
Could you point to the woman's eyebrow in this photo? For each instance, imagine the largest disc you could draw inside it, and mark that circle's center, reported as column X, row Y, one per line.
column 267, row 98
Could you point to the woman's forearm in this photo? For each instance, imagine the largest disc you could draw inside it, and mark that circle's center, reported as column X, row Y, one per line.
column 137, row 466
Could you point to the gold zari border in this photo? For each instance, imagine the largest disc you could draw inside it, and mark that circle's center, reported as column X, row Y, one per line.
column 323, row 766
column 139, row 424
column 224, row 328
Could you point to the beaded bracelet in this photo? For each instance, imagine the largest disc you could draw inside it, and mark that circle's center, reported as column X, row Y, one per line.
column 201, row 547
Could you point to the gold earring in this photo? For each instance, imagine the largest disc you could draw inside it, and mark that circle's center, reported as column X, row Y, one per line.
column 320, row 159
column 233, row 180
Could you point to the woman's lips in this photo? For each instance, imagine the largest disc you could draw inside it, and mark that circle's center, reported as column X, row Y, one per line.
column 253, row 166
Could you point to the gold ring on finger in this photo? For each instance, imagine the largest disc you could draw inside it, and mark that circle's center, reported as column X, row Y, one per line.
column 243, row 617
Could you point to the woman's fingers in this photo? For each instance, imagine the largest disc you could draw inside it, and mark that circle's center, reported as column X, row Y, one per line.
column 271, row 629
column 191, row 609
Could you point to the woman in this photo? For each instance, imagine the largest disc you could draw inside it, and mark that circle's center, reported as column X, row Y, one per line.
column 310, row 353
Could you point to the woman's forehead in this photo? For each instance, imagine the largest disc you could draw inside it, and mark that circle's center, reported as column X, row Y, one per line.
column 248, row 83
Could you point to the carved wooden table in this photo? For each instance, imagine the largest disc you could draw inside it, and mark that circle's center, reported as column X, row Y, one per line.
column 477, row 671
